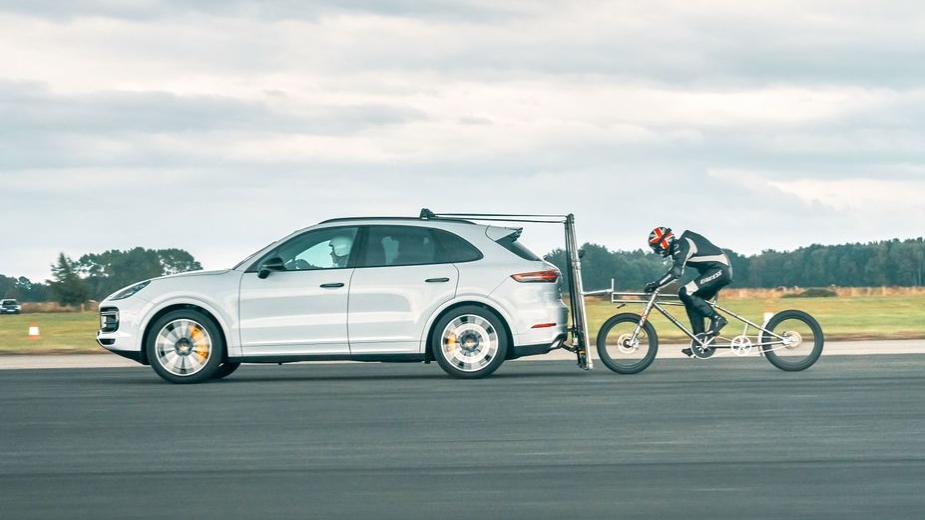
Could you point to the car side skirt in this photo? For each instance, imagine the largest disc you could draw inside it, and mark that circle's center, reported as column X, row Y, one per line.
column 381, row 358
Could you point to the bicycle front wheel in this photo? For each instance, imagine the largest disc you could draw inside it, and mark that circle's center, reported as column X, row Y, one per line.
column 792, row 340
column 620, row 351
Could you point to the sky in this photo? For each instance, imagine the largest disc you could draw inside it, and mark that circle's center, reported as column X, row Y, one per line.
column 219, row 126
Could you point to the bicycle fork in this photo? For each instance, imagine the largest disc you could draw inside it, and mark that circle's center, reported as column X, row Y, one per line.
column 642, row 320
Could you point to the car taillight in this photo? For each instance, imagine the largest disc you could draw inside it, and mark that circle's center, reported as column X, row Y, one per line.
column 550, row 276
column 543, row 325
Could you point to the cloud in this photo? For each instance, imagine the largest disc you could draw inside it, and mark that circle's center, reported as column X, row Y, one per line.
column 694, row 44
column 761, row 124
column 43, row 129
column 267, row 11
column 859, row 194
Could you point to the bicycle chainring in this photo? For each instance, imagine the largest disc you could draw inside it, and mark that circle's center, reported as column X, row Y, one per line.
column 702, row 351
column 741, row 345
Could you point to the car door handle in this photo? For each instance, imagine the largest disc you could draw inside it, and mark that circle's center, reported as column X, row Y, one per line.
column 437, row 280
column 331, row 285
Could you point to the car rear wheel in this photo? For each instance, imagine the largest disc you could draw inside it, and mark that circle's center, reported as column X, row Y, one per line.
column 469, row 342
column 185, row 346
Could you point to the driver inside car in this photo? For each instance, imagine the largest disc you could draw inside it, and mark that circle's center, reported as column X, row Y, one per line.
column 340, row 250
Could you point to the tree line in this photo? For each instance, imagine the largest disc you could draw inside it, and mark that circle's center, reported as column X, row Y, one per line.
column 94, row 276
column 887, row 263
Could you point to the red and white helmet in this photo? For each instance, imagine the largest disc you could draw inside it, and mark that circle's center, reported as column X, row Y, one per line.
column 661, row 240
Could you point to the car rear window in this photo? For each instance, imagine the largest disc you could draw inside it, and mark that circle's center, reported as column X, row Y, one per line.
column 454, row 248
column 510, row 243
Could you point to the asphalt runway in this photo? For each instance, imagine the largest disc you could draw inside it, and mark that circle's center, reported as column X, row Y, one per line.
column 725, row 438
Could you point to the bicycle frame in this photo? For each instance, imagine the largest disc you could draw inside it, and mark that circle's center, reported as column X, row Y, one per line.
column 653, row 302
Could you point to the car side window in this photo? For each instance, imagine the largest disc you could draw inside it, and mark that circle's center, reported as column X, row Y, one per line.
column 399, row 245
column 328, row 248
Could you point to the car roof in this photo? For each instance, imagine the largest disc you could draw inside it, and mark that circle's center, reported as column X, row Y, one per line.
column 463, row 227
column 467, row 229
column 396, row 219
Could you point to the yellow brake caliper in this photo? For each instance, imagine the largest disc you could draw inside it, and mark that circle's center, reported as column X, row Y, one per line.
column 449, row 344
column 200, row 344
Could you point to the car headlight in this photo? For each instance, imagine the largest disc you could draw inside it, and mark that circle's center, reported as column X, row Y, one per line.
column 129, row 291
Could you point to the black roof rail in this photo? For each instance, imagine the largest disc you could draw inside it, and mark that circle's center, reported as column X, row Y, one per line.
column 393, row 218
column 348, row 219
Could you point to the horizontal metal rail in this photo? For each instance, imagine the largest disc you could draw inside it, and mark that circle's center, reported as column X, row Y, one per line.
column 498, row 217
column 617, row 297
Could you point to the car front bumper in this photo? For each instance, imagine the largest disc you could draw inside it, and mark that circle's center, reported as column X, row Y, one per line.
column 123, row 335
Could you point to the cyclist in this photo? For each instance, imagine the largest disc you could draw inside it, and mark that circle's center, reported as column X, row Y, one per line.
column 713, row 268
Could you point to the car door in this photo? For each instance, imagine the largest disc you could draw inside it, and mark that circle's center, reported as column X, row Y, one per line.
column 398, row 284
column 295, row 300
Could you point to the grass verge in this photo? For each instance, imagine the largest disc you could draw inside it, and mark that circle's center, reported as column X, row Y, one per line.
column 852, row 317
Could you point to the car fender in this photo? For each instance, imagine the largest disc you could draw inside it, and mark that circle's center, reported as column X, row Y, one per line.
column 215, row 292
column 505, row 314
column 227, row 323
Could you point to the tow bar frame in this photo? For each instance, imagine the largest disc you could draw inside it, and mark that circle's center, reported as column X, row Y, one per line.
column 579, row 327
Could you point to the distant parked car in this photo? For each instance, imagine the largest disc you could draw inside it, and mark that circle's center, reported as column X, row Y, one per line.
column 466, row 295
column 10, row 306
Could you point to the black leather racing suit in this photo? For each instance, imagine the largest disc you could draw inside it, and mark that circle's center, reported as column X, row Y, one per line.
column 714, row 272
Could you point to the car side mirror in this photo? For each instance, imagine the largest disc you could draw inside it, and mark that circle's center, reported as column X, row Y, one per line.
column 272, row 264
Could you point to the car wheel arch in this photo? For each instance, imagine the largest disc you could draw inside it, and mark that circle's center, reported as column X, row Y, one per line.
column 428, row 349
column 175, row 307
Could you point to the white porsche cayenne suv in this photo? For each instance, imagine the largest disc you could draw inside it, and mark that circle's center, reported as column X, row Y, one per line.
column 363, row 289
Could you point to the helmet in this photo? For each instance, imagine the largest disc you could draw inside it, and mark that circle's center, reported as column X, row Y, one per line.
column 660, row 240
column 340, row 245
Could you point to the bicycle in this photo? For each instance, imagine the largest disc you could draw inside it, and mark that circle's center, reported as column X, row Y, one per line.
column 627, row 343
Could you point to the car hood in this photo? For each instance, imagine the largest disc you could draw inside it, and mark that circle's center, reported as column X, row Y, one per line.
column 189, row 274
column 176, row 280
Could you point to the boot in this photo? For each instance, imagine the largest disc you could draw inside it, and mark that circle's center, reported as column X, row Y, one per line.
column 717, row 322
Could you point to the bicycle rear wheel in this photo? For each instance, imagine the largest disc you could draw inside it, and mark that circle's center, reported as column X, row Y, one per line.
column 619, row 352
column 801, row 343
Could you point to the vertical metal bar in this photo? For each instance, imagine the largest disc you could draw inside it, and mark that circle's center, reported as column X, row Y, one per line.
column 576, row 295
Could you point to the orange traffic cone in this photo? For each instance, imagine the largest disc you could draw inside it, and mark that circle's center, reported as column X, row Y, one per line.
column 33, row 332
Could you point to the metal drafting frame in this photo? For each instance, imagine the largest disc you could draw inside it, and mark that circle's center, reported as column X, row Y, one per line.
column 579, row 327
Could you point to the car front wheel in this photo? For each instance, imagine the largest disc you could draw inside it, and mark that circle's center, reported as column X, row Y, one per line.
column 469, row 342
column 185, row 346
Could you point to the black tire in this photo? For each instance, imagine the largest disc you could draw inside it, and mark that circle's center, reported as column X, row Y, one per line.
column 800, row 327
column 626, row 359
column 225, row 370
column 469, row 342
column 185, row 346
